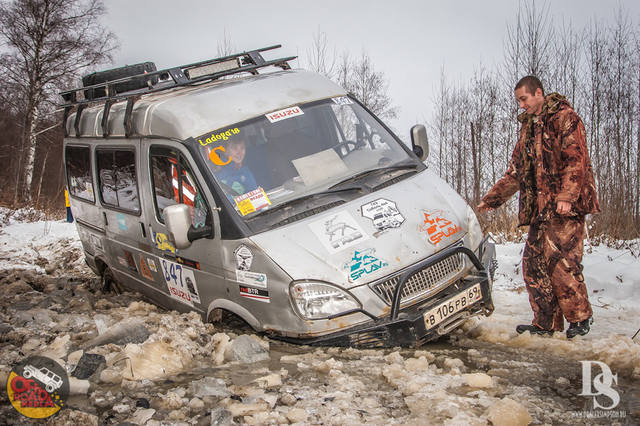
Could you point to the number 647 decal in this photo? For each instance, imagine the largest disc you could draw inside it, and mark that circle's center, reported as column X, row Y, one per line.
column 181, row 282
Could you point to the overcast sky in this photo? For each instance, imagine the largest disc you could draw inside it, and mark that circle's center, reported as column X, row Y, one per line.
column 410, row 41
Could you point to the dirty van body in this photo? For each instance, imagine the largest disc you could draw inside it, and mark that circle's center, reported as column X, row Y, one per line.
column 277, row 197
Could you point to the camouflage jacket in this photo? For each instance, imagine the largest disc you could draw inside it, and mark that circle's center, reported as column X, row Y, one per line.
column 550, row 163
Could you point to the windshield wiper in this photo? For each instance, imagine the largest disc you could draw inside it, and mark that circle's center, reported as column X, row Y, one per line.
column 309, row 196
column 365, row 173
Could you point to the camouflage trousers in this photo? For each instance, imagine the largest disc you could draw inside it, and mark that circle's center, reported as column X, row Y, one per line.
column 552, row 269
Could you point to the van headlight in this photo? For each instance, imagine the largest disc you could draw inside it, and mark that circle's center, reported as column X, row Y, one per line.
column 317, row 300
column 475, row 231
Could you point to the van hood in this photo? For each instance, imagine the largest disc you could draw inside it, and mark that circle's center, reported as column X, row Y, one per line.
column 372, row 236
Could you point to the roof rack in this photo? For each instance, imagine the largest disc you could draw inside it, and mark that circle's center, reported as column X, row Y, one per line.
column 184, row 75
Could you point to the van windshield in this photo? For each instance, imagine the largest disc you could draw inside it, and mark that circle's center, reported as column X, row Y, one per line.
column 294, row 153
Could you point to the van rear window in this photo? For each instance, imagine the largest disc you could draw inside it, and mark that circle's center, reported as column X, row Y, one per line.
column 79, row 176
column 117, row 179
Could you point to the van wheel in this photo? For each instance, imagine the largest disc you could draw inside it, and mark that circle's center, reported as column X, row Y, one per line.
column 109, row 283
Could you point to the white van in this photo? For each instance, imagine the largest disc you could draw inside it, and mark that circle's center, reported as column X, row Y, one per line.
column 275, row 196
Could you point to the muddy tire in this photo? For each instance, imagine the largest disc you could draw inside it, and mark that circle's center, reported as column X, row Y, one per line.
column 109, row 283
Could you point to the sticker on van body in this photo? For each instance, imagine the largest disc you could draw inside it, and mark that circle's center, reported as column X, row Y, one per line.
column 181, row 282
column 437, row 226
column 256, row 279
column 255, row 294
column 161, row 242
column 244, row 257
column 131, row 263
column 145, row 271
column 363, row 263
column 222, row 135
column 122, row 222
column 383, row 213
column 338, row 231
column 188, row 262
column 152, row 264
column 342, row 100
column 283, row 114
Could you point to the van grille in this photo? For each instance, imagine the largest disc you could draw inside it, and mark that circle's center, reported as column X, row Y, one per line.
column 424, row 283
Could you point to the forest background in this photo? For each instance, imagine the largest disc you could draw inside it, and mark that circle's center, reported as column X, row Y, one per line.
column 472, row 130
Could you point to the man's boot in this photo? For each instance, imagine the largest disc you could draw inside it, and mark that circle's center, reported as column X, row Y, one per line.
column 533, row 329
column 580, row 328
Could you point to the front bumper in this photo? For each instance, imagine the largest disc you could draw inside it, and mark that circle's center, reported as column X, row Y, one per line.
column 407, row 327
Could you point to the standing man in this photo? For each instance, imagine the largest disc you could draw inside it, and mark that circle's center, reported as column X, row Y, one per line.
column 550, row 166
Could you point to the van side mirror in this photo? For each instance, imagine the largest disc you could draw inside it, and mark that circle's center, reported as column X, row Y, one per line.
column 181, row 231
column 420, row 141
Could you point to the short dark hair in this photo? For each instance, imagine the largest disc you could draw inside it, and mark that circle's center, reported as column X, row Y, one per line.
column 531, row 82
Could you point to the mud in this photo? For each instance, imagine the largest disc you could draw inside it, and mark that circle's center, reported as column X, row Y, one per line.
column 457, row 380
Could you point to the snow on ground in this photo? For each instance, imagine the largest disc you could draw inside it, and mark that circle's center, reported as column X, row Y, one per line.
column 613, row 280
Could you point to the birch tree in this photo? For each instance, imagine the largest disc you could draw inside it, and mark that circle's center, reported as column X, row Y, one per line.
column 50, row 42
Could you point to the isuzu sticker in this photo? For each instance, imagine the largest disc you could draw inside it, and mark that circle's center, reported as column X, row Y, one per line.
column 342, row 100
column 255, row 294
column 363, row 262
column 144, row 269
column 437, row 226
column 244, row 257
column 252, row 201
column 338, row 231
column 152, row 264
column 383, row 213
column 255, row 279
column 283, row 114
column 181, row 282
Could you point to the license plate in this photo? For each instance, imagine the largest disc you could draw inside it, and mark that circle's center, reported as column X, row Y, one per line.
column 449, row 307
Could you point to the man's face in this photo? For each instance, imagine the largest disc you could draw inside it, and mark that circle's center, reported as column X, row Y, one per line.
column 532, row 104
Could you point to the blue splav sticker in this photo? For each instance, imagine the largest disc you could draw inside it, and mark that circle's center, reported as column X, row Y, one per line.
column 122, row 222
column 362, row 263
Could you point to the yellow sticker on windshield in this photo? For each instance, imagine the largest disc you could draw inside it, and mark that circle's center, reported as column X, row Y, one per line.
column 252, row 201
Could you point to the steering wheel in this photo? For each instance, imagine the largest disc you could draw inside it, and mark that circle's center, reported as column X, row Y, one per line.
column 338, row 148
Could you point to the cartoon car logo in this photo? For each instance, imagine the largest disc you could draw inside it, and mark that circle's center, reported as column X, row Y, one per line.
column 49, row 379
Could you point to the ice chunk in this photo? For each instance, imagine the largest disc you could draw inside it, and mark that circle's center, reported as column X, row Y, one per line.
column 78, row 387
column 87, row 365
column 152, row 360
column 246, row 349
column 221, row 341
column 221, row 417
column 141, row 416
column 126, row 331
column 209, row 386
column 416, row 364
column 297, row 415
column 453, row 363
column 478, row 380
column 508, row 412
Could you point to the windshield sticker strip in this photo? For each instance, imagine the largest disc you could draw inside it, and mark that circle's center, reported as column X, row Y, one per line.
column 338, row 231
column 224, row 135
column 363, row 262
column 342, row 100
column 255, row 294
column 383, row 213
column 437, row 226
column 283, row 114
column 252, row 201
column 255, row 279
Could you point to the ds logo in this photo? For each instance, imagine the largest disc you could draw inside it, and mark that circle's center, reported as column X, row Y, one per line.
column 601, row 382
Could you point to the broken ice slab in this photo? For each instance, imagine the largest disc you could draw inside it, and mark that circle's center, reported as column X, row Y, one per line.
column 126, row 331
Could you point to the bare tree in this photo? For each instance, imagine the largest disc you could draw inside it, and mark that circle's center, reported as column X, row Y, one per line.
column 225, row 47
column 50, row 42
column 320, row 57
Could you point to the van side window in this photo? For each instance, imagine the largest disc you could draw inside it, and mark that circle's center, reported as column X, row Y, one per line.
column 80, row 178
column 117, row 179
column 174, row 183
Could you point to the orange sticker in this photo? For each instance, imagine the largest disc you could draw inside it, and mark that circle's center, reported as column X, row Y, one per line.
column 438, row 227
column 215, row 158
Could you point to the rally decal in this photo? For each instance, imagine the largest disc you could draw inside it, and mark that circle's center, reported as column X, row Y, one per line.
column 161, row 242
column 338, row 231
column 244, row 257
column 188, row 262
column 144, row 269
column 122, row 221
column 342, row 100
column 220, row 136
column 362, row 263
column 255, row 279
column 131, row 264
column 255, row 294
column 283, row 114
column 252, row 201
column 152, row 264
column 181, row 282
column 437, row 226
column 383, row 213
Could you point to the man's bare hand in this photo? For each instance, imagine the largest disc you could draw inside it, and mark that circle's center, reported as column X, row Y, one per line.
column 563, row 207
column 483, row 207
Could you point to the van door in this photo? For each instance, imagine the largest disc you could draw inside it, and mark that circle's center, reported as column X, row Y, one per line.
column 119, row 182
column 191, row 277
